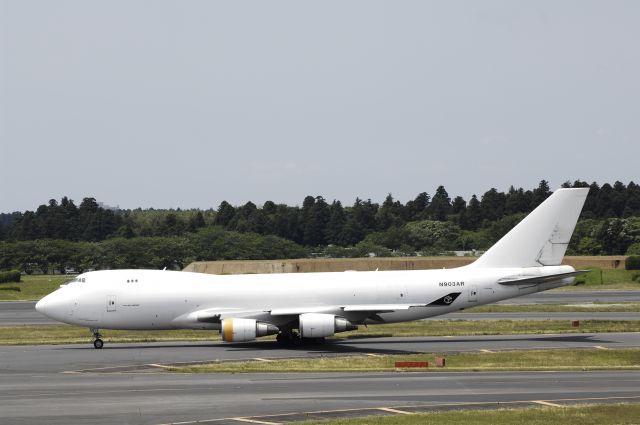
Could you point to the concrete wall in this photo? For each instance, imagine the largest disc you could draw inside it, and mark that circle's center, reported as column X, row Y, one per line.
column 307, row 265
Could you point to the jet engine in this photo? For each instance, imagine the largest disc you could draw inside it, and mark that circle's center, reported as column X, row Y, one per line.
column 319, row 325
column 239, row 330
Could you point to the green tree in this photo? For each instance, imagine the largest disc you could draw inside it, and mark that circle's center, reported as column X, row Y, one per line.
column 389, row 214
column 317, row 218
column 473, row 216
column 431, row 234
column 539, row 194
column 440, row 206
column 196, row 221
column 492, row 204
column 614, row 236
column 458, row 205
column 335, row 227
column 518, row 201
column 417, row 209
column 364, row 213
column 225, row 214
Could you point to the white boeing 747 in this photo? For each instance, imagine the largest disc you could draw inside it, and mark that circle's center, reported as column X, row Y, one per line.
column 311, row 306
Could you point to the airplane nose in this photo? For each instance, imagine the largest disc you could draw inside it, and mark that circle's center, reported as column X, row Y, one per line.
column 53, row 306
column 40, row 306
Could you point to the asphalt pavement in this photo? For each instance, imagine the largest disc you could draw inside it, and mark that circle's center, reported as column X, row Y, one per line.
column 274, row 398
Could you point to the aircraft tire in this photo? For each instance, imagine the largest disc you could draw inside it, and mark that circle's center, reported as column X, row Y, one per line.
column 98, row 343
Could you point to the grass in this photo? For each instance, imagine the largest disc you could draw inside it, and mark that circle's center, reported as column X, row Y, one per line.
column 604, row 279
column 556, row 308
column 491, row 327
column 66, row 334
column 535, row 360
column 598, row 414
column 32, row 287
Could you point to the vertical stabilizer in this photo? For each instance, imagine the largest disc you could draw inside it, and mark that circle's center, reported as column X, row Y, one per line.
column 541, row 239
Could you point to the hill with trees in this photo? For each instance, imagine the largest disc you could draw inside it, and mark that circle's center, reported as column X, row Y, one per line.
column 61, row 235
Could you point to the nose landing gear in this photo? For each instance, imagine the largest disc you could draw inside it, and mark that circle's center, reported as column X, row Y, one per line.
column 97, row 342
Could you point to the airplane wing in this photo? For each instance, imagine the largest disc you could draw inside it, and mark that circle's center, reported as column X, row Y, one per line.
column 536, row 280
column 371, row 308
column 374, row 308
column 217, row 314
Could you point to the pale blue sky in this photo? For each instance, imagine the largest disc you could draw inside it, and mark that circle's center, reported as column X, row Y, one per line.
column 188, row 103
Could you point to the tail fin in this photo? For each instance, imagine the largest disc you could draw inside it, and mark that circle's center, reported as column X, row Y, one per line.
column 541, row 239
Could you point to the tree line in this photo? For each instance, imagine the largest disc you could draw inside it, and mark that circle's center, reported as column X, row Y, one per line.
column 97, row 237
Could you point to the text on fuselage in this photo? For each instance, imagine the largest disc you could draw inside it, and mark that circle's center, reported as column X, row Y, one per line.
column 458, row 283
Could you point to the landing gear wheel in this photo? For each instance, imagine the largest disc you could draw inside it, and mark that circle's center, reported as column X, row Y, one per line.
column 287, row 339
column 97, row 342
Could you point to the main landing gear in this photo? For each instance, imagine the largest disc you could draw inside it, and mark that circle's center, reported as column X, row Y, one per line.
column 292, row 338
column 97, row 342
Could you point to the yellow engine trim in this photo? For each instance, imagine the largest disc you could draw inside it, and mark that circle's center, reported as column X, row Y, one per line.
column 227, row 331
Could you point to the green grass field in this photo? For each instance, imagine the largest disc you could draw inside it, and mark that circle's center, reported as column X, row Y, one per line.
column 538, row 360
column 32, row 287
column 604, row 279
column 602, row 414
column 556, row 308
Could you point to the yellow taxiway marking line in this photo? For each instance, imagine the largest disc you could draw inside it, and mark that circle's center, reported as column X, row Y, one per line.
column 254, row 421
column 600, row 347
column 260, row 359
column 484, row 350
column 390, row 410
column 546, row 403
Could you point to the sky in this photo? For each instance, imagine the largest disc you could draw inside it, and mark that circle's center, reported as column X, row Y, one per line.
column 185, row 104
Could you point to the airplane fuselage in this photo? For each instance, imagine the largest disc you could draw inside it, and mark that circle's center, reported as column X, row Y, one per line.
column 151, row 299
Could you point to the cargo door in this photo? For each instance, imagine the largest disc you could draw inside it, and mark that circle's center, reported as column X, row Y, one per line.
column 111, row 303
column 473, row 294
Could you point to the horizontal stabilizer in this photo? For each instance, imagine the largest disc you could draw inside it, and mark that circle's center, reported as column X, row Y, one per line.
column 536, row 280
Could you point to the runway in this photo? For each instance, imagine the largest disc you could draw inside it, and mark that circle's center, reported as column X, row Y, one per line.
column 16, row 313
column 126, row 383
column 280, row 398
column 138, row 356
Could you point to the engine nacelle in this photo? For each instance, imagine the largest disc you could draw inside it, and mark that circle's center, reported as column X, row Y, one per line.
column 239, row 330
column 319, row 325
